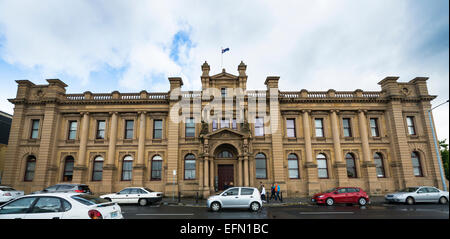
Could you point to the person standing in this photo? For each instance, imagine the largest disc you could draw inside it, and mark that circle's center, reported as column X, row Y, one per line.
column 272, row 192
column 277, row 192
column 263, row 193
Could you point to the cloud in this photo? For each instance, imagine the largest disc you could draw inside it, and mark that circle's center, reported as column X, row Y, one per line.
column 316, row 45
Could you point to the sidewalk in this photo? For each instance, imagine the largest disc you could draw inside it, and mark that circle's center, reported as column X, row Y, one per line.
column 191, row 202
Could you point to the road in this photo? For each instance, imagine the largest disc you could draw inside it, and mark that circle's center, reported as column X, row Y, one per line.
column 381, row 211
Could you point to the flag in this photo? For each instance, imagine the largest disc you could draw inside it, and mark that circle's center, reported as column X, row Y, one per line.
column 225, row 50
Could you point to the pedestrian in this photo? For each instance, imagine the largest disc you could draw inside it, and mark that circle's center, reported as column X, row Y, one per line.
column 263, row 193
column 272, row 192
column 277, row 192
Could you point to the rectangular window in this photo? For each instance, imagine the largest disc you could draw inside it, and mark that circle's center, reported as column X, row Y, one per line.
column 223, row 91
column 319, row 127
column 293, row 168
column 214, row 124
column 34, row 129
column 234, row 124
column 347, row 127
column 259, row 126
column 374, row 127
column 72, row 130
column 322, row 168
column 290, row 128
column 100, row 129
column 190, row 127
column 410, row 124
column 225, row 123
column 157, row 129
column 129, row 128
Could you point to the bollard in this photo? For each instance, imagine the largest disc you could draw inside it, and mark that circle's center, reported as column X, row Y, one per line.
column 196, row 198
column 179, row 196
column 281, row 197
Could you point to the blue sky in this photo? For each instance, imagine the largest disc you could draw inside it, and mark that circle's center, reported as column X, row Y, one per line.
column 108, row 45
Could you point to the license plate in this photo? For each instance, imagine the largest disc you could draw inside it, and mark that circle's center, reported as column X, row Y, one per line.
column 113, row 214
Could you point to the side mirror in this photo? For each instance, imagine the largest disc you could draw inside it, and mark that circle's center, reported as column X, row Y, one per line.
column 225, row 194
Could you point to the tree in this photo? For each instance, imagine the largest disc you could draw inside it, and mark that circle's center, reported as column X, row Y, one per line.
column 444, row 155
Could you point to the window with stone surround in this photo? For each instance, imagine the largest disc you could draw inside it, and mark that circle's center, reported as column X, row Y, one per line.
column 97, row 169
column 374, row 129
column 351, row 165
column 189, row 167
column 156, row 167
column 411, row 126
column 101, row 125
column 157, row 129
column 68, row 169
column 322, row 166
column 34, row 129
column 290, row 128
column 30, row 167
column 318, row 122
column 72, row 134
column 417, row 166
column 346, row 123
column 379, row 165
column 261, row 166
column 293, row 166
column 127, row 168
column 129, row 129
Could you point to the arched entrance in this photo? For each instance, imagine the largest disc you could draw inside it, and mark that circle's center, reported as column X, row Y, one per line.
column 225, row 160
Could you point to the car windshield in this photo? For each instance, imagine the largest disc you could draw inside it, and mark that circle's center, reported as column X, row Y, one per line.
column 330, row 190
column 149, row 190
column 409, row 190
column 89, row 200
column 7, row 189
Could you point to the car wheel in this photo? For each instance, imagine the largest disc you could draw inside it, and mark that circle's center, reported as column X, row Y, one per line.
column 362, row 201
column 142, row 202
column 215, row 206
column 410, row 201
column 330, row 201
column 254, row 206
column 443, row 200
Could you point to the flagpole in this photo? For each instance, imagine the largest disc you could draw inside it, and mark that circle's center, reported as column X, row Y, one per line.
column 221, row 59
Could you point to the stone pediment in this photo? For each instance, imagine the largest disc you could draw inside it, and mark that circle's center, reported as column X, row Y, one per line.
column 225, row 133
column 224, row 76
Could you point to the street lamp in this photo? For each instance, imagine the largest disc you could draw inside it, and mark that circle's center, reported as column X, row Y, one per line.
column 437, row 147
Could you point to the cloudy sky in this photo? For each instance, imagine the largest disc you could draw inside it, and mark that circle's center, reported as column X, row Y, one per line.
column 108, row 45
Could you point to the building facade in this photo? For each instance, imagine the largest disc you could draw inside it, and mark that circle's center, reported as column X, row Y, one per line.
column 5, row 125
column 194, row 142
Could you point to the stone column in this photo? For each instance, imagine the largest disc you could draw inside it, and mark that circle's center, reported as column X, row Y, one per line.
column 206, row 177
column 246, row 172
column 339, row 164
column 240, row 179
column 139, row 168
column 110, row 167
column 211, row 176
column 368, row 166
column 310, row 165
column 79, row 170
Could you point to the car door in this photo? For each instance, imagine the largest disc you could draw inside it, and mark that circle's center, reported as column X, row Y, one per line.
column 121, row 197
column 341, row 196
column 421, row 195
column 46, row 208
column 245, row 197
column 433, row 194
column 230, row 198
column 134, row 195
column 17, row 209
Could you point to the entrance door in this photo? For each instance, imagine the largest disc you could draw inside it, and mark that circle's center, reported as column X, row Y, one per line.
column 226, row 175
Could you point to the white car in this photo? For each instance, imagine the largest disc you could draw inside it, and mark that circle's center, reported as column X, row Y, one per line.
column 142, row 196
column 236, row 197
column 8, row 193
column 412, row 195
column 60, row 206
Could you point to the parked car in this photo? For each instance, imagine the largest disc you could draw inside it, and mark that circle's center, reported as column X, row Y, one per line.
column 350, row 195
column 412, row 195
column 60, row 206
column 142, row 196
column 236, row 197
column 8, row 193
column 66, row 187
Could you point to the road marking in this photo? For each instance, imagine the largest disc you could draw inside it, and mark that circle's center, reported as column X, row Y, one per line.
column 153, row 214
column 312, row 213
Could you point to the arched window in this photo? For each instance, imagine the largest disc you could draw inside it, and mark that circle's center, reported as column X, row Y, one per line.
column 225, row 154
column 189, row 167
column 97, row 169
column 417, row 167
column 293, row 166
column 379, row 165
column 261, row 166
column 29, row 168
column 322, row 166
column 68, row 169
column 351, row 166
column 127, row 168
column 156, row 167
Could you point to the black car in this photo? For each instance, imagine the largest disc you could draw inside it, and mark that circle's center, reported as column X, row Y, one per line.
column 64, row 188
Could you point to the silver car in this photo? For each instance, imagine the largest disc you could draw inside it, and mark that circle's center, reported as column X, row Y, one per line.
column 236, row 197
column 412, row 195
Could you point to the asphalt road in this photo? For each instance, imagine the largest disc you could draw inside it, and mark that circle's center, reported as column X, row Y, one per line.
column 382, row 211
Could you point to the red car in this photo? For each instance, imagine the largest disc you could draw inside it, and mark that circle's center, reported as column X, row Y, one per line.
column 342, row 195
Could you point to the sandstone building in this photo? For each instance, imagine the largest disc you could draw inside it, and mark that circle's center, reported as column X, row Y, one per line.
column 305, row 141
